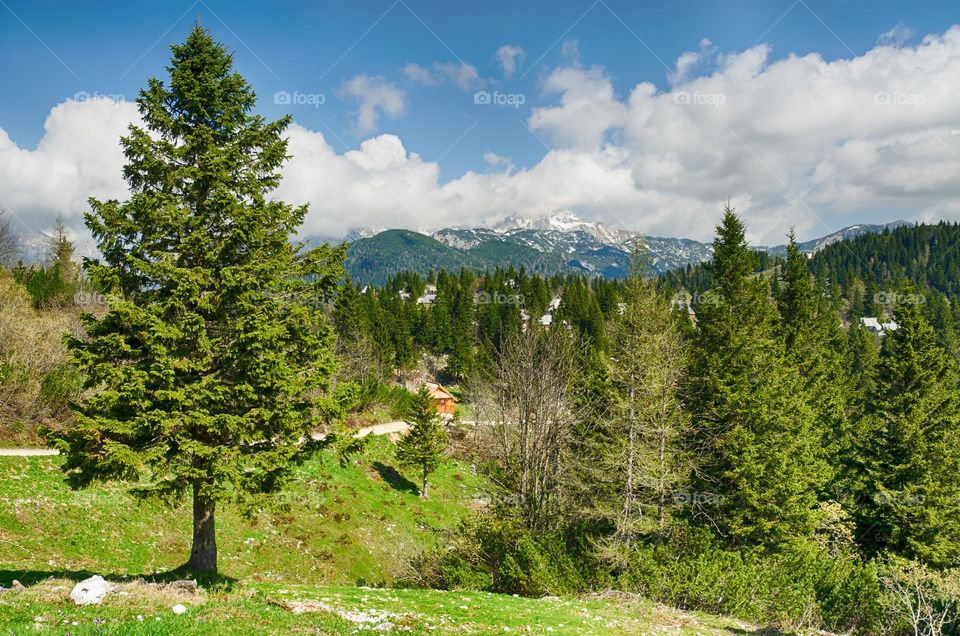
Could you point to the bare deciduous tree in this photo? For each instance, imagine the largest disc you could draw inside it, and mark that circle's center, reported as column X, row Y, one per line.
column 9, row 242
column 530, row 419
column 926, row 600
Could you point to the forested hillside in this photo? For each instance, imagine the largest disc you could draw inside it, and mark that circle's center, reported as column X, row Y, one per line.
column 747, row 446
column 925, row 255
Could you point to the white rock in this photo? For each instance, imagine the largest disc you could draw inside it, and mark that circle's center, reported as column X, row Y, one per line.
column 179, row 609
column 90, row 591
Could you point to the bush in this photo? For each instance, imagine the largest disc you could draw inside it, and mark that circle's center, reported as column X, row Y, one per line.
column 496, row 553
column 47, row 286
column 34, row 378
column 60, row 387
column 919, row 600
column 394, row 398
column 802, row 586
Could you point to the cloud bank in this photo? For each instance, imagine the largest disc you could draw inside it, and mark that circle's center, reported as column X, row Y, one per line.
column 799, row 141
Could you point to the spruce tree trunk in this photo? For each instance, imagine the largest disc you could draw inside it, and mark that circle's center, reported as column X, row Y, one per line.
column 203, row 555
column 423, row 489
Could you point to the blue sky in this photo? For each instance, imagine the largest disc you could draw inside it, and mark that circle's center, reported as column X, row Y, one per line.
column 56, row 51
column 313, row 47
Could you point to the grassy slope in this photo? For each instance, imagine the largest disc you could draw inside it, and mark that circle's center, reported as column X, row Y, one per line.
column 144, row 609
column 345, row 526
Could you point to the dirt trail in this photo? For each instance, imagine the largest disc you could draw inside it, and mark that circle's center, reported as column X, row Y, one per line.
column 27, row 452
column 377, row 429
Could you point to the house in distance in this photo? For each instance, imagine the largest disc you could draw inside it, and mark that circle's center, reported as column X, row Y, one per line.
column 443, row 398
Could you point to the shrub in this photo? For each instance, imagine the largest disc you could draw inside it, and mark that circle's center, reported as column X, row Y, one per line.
column 497, row 553
column 47, row 286
column 919, row 600
column 34, row 378
column 394, row 398
column 802, row 586
column 59, row 387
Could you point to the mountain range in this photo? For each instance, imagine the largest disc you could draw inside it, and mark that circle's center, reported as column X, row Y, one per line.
column 556, row 242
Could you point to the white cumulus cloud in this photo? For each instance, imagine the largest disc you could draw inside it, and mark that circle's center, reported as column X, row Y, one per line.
column 464, row 76
column 799, row 141
column 510, row 56
column 375, row 97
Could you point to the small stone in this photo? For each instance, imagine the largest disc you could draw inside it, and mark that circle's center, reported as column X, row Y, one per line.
column 16, row 585
column 90, row 591
column 179, row 609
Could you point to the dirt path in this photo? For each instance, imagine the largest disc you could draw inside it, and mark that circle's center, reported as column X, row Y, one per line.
column 27, row 452
column 383, row 429
column 377, row 429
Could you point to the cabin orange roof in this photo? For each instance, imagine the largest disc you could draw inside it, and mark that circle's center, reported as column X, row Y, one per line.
column 437, row 392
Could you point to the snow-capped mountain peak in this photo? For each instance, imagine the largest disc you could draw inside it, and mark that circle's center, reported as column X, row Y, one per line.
column 564, row 221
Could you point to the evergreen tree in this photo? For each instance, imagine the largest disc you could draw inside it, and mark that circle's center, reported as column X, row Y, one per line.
column 424, row 444
column 641, row 454
column 60, row 251
column 909, row 447
column 460, row 363
column 204, row 375
column 815, row 346
column 753, row 429
column 862, row 353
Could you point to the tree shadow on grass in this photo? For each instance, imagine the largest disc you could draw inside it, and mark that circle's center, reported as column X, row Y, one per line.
column 397, row 481
column 28, row 578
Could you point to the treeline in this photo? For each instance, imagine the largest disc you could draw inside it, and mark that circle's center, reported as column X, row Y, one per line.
column 463, row 318
column 927, row 255
column 863, row 275
column 764, row 458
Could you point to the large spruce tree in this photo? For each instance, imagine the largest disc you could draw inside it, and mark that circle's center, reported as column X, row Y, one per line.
column 209, row 371
column 753, row 429
column 909, row 446
column 811, row 330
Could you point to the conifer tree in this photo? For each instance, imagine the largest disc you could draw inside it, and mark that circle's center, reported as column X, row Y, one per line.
column 753, row 431
column 641, row 453
column 815, row 346
column 424, row 444
column 60, row 251
column 209, row 372
column 909, row 447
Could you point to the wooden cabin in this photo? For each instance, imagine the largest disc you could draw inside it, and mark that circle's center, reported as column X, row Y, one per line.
column 444, row 399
